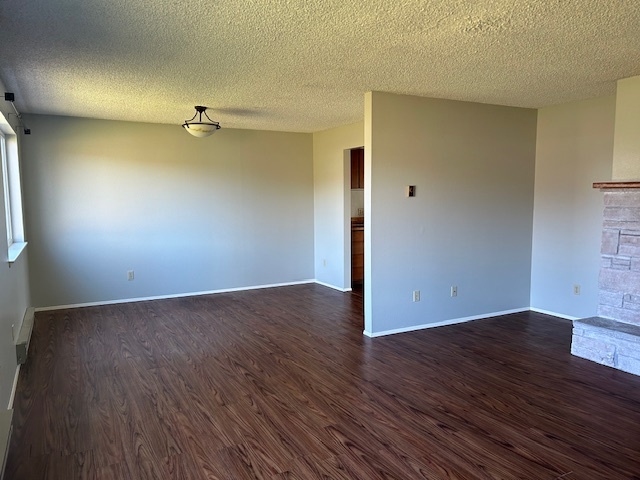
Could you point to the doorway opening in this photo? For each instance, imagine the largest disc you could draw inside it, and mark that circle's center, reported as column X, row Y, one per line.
column 357, row 219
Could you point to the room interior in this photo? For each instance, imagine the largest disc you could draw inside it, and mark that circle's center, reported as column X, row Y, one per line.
column 502, row 142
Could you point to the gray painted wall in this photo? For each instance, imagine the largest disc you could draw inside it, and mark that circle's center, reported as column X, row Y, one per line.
column 14, row 295
column 14, row 300
column 470, row 223
column 186, row 214
column 574, row 150
column 332, row 192
column 626, row 145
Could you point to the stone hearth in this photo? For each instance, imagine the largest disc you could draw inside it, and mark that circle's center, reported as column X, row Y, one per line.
column 613, row 338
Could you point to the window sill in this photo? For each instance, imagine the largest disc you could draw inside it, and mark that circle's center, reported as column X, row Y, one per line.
column 15, row 250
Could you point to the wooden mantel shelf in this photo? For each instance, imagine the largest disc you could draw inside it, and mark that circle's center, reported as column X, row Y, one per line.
column 616, row 185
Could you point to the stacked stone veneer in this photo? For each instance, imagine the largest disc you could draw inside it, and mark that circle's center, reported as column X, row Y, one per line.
column 613, row 338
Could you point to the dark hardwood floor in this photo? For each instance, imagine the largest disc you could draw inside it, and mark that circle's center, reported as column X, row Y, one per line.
column 281, row 384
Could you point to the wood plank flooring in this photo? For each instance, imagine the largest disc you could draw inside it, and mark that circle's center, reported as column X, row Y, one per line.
column 281, row 384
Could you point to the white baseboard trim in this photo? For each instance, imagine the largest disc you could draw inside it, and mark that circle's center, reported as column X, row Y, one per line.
column 554, row 314
column 13, row 389
column 332, row 286
column 176, row 295
column 443, row 323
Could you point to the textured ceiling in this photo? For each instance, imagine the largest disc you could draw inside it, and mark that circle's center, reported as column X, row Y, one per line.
column 304, row 66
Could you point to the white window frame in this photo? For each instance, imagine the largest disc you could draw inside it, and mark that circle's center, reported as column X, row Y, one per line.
column 12, row 194
column 5, row 188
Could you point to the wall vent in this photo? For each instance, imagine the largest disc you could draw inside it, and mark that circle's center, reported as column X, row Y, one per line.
column 24, row 337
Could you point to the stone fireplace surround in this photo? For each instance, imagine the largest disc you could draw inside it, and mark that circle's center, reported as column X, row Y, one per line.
column 613, row 337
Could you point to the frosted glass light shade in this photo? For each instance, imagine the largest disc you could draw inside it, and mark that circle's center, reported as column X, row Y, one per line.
column 201, row 130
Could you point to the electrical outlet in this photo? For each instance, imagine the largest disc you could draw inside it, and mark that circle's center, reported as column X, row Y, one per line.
column 361, row 212
column 576, row 289
column 130, row 275
column 454, row 291
column 416, row 295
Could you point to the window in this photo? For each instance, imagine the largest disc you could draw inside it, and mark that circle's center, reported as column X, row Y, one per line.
column 11, row 190
column 5, row 185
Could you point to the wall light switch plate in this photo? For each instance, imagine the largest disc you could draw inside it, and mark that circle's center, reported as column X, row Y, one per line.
column 411, row 190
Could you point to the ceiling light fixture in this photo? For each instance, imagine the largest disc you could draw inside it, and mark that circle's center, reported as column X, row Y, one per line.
column 199, row 128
